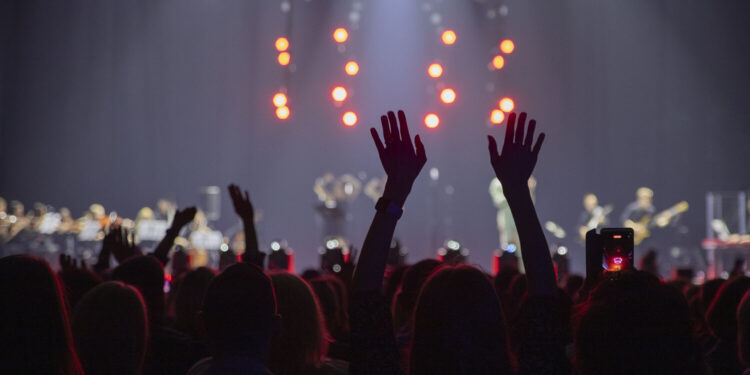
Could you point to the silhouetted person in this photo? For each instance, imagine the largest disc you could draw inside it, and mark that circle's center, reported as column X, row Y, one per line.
column 634, row 324
column 239, row 318
column 169, row 351
column 302, row 344
column 110, row 330
column 743, row 332
column 189, row 300
column 722, row 320
column 330, row 306
column 35, row 333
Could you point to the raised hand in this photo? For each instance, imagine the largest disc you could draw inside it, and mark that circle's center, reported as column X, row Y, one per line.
column 401, row 159
column 123, row 244
column 514, row 166
column 242, row 205
column 68, row 263
column 183, row 217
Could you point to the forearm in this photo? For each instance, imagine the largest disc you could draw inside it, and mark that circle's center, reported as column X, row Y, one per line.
column 252, row 249
column 536, row 258
column 368, row 276
column 162, row 249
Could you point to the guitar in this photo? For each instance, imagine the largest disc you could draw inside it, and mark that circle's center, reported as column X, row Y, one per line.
column 642, row 228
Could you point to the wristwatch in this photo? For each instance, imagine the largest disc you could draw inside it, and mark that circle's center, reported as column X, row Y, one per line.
column 385, row 205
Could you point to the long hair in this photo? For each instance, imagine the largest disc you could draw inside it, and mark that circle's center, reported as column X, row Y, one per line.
column 189, row 299
column 302, row 343
column 458, row 326
column 110, row 330
column 34, row 328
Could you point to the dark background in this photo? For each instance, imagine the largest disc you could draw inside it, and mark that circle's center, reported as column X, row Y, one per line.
column 125, row 102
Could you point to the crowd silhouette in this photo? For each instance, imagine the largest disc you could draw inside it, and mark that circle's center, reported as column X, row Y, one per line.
column 427, row 318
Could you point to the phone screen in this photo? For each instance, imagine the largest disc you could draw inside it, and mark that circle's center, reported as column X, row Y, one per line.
column 617, row 249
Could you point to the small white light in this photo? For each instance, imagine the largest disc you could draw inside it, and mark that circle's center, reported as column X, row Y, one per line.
column 336, row 268
column 562, row 250
column 275, row 246
column 511, row 248
column 434, row 174
column 453, row 245
column 224, row 247
column 12, row 219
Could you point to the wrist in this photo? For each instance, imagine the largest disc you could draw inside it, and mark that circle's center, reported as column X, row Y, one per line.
column 396, row 192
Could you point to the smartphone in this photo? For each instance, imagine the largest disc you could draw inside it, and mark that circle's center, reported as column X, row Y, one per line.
column 611, row 250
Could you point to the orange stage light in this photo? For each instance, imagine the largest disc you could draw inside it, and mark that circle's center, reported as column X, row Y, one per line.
column 340, row 35
column 351, row 68
column 497, row 116
column 507, row 46
column 284, row 58
column 432, row 120
column 435, row 70
column 506, row 104
column 282, row 44
column 448, row 96
column 279, row 100
column 498, row 62
column 448, row 37
column 282, row 112
column 349, row 118
column 338, row 94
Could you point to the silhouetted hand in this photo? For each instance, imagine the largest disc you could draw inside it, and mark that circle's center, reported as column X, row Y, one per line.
column 401, row 160
column 514, row 166
column 183, row 217
column 69, row 264
column 123, row 246
column 242, row 205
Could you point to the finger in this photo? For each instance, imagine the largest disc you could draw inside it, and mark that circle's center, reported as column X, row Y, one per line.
column 530, row 134
column 386, row 130
column 520, row 125
column 538, row 145
column 378, row 143
column 420, row 149
column 510, row 130
column 405, row 136
column 394, row 127
column 493, row 147
column 247, row 196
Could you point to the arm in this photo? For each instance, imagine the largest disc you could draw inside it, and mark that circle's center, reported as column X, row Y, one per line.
column 244, row 208
column 513, row 168
column 402, row 162
column 181, row 218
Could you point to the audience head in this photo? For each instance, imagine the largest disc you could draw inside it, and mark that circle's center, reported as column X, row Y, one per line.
column 393, row 281
column 634, row 324
column 722, row 314
column 458, row 325
column 743, row 329
column 35, row 333
column 192, row 288
column 146, row 274
column 302, row 343
column 78, row 282
column 110, row 330
column 329, row 306
column 239, row 312
column 412, row 282
column 708, row 292
column 573, row 284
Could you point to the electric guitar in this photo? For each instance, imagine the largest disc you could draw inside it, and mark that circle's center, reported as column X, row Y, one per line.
column 642, row 228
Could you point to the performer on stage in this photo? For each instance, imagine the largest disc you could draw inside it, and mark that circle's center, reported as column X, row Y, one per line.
column 593, row 215
column 638, row 214
column 506, row 227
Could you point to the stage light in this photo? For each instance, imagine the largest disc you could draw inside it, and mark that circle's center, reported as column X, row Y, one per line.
column 284, row 58
column 507, row 46
column 349, row 118
column 340, row 35
column 498, row 62
column 448, row 96
column 432, row 120
column 338, row 94
column 282, row 44
column 279, row 99
column 506, row 104
column 282, row 112
column 497, row 116
column 351, row 68
column 435, row 70
column 448, row 37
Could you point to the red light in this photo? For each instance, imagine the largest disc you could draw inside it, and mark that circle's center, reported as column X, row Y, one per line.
column 338, row 94
column 282, row 112
column 617, row 236
column 351, row 68
column 282, row 44
column 507, row 46
column 449, row 37
column 506, row 104
column 498, row 62
column 435, row 70
column 617, row 260
column 497, row 116
column 284, row 58
column 279, row 99
column 340, row 35
column 349, row 118
column 431, row 120
column 448, row 96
